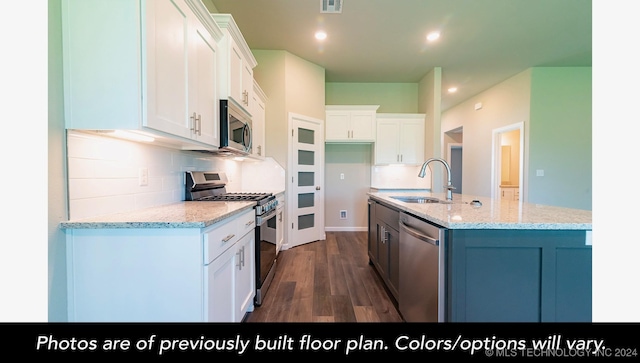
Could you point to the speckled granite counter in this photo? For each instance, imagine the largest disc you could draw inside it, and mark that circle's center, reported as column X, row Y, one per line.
column 493, row 214
column 177, row 215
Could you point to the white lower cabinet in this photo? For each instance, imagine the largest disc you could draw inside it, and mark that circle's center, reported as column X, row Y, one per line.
column 231, row 282
column 509, row 193
column 162, row 274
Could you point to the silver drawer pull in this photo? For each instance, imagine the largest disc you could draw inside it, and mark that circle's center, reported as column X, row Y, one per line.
column 248, row 223
column 227, row 238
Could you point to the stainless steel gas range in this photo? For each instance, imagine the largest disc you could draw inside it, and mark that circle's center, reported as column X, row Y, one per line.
column 210, row 186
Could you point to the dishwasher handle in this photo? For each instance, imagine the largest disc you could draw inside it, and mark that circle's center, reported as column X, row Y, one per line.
column 418, row 235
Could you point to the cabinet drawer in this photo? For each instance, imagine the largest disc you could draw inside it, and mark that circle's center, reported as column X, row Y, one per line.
column 388, row 215
column 246, row 223
column 217, row 240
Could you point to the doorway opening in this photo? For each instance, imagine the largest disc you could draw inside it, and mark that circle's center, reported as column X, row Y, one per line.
column 507, row 162
column 454, row 157
column 453, row 144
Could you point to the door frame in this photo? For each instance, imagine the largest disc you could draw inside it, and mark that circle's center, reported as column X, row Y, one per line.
column 450, row 146
column 496, row 165
column 290, row 193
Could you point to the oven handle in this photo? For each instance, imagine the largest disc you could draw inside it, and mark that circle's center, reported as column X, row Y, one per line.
column 260, row 220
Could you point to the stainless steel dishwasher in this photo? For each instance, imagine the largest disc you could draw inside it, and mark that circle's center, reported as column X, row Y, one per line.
column 421, row 295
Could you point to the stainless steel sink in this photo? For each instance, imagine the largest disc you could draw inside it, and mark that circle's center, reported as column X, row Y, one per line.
column 418, row 199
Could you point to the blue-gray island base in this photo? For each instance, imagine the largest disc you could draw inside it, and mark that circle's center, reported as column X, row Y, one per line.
column 533, row 265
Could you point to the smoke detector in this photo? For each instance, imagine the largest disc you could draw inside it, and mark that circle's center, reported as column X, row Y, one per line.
column 331, row 6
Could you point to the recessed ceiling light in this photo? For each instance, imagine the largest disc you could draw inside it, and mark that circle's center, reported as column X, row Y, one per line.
column 320, row 35
column 433, row 36
column 452, row 89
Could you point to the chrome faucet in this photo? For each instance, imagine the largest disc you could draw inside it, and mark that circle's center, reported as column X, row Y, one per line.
column 449, row 187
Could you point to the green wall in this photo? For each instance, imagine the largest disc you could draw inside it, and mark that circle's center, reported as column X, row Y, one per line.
column 392, row 97
column 57, row 184
column 560, row 141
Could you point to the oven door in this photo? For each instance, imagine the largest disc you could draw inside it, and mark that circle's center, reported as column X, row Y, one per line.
column 265, row 253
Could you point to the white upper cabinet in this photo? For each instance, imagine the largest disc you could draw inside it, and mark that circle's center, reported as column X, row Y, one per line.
column 236, row 63
column 258, row 120
column 350, row 123
column 149, row 67
column 400, row 139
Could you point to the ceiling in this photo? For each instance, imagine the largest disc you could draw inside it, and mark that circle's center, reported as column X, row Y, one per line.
column 482, row 43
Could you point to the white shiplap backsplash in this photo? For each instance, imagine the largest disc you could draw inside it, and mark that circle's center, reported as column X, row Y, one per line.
column 103, row 174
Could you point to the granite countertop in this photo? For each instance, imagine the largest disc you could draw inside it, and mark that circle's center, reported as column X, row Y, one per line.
column 177, row 215
column 493, row 214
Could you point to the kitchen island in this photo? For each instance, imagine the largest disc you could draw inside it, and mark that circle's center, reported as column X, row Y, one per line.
column 503, row 260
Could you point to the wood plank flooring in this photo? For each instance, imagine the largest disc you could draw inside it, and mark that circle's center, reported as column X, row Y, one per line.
column 326, row 281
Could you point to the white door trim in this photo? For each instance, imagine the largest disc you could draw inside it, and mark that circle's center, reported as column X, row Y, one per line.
column 290, row 174
column 495, row 159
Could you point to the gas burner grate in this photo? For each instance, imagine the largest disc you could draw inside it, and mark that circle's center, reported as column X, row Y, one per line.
column 237, row 197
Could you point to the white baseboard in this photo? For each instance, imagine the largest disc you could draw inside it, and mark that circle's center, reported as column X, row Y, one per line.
column 346, row 229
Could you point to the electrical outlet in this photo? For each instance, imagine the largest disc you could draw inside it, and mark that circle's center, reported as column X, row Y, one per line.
column 343, row 214
column 341, row 176
column 143, row 177
column 539, row 172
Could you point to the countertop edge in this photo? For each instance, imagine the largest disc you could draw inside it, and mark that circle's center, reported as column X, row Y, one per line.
column 95, row 223
column 404, row 207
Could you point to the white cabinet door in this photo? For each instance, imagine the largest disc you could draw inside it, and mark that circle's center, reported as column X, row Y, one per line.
column 350, row 123
column 509, row 194
column 236, row 65
column 386, row 148
column 236, row 69
column 220, row 287
column 399, row 139
column 411, row 142
column 247, row 85
column 245, row 278
column 258, row 121
column 167, row 66
column 338, row 125
column 363, row 126
column 203, row 91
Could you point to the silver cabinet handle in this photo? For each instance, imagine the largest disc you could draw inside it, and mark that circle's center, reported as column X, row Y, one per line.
column 199, row 121
column 248, row 223
column 227, row 238
column 194, row 127
column 383, row 230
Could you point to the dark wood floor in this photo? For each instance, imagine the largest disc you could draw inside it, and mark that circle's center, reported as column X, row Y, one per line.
column 326, row 281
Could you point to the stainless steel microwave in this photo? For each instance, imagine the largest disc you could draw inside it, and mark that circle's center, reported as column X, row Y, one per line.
column 235, row 129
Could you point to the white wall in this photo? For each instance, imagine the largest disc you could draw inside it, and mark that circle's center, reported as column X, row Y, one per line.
column 350, row 194
column 504, row 104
